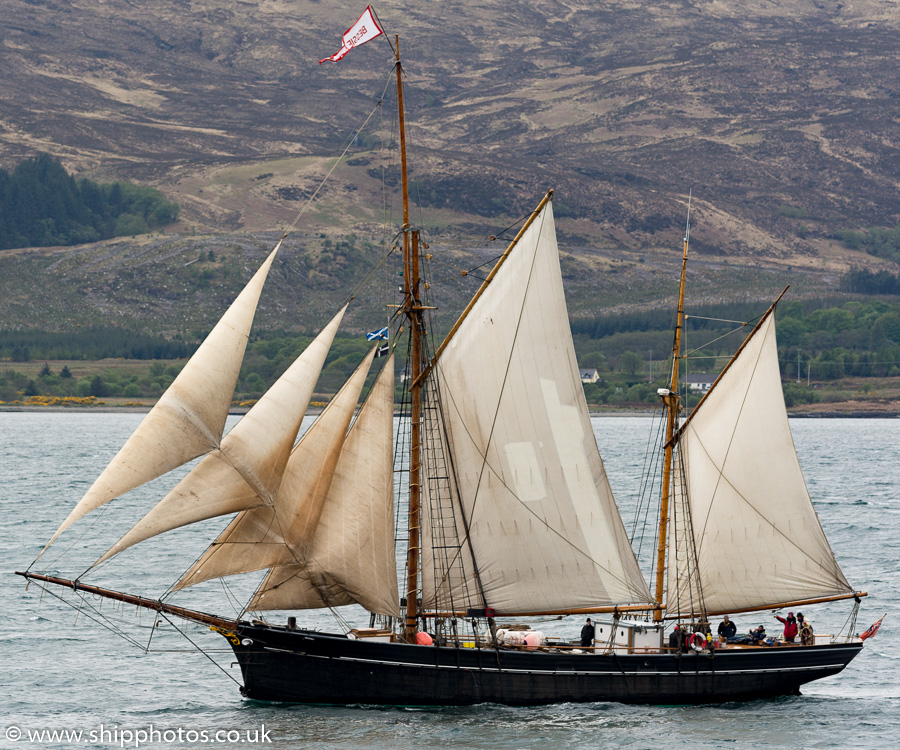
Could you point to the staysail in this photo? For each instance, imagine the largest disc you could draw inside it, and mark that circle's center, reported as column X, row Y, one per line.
column 541, row 518
column 281, row 533
column 351, row 558
column 189, row 418
column 246, row 470
column 747, row 535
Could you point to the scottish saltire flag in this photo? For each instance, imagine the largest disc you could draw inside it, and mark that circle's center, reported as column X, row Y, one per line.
column 872, row 629
column 376, row 335
column 364, row 30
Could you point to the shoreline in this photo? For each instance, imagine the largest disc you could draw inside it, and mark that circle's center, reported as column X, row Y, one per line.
column 799, row 413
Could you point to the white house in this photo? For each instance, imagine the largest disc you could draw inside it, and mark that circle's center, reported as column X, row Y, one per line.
column 701, row 381
column 589, row 376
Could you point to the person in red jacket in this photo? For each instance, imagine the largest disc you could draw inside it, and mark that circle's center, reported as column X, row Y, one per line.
column 790, row 626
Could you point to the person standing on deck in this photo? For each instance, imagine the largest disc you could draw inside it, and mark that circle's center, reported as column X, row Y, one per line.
column 676, row 642
column 790, row 626
column 727, row 628
column 587, row 634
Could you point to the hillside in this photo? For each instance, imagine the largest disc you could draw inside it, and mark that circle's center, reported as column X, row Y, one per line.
column 780, row 118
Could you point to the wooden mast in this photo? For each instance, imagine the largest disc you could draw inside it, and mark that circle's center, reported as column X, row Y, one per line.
column 412, row 308
column 672, row 402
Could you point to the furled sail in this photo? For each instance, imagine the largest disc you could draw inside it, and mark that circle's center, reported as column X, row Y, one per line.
column 282, row 533
column 750, row 537
column 351, row 557
column 541, row 518
column 189, row 418
column 246, row 470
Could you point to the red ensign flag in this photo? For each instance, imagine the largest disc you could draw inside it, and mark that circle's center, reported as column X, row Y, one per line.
column 872, row 629
column 364, row 30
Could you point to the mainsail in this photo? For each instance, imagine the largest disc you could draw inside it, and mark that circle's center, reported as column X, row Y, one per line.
column 246, row 470
column 189, row 418
column 747, row 535
column 540, row 515
column 282, row 533
column 351, row 557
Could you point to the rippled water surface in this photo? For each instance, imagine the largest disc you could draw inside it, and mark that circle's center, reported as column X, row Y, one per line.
column 70, row 671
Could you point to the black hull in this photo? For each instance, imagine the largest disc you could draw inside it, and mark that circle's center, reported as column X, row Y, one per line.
column 309, row 667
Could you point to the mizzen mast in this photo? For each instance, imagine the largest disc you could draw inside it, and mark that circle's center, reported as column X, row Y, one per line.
column 673, row 405
column 412, row 309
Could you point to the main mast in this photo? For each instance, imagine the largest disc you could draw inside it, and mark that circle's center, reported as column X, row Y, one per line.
column 673, row 405
column 412, row 308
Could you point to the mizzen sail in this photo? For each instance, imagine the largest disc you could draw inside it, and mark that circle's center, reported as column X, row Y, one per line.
column 541, row 518
column 744, row 533
column 189, row 418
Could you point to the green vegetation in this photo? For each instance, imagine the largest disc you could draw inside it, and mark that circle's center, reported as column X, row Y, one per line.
column 41, row 204
column 268, row 358
column 265, row 360
column 825, row 342
column 882, row 243
column 860, row 281
column 89, row 344
column 792, row 212
column 818, row 340
column 98, row 379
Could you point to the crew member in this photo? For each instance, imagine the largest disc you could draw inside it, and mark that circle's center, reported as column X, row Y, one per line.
column 790, row 626
column 805, row 630
column 587, row 634
column 727, row 628
column 675, row 641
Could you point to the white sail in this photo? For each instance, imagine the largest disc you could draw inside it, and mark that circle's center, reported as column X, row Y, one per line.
column 751, row 537
column 282, row 533
column 542, row 521
column 351, row 558
column 246, row 470
column 189, row 418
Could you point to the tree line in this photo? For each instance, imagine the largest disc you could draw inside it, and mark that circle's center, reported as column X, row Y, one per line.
column 824, row 339
column 41, row 204
column 90, row 344
column 265, row 361
column 819, row 340
column 861, row 281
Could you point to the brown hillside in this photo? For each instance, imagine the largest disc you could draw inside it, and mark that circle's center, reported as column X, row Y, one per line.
column 763, row 109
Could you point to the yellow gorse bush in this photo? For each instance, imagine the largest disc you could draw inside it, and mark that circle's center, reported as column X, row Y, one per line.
column 56, row 401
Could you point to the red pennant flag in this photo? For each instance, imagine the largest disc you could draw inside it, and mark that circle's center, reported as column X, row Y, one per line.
column 364, row 30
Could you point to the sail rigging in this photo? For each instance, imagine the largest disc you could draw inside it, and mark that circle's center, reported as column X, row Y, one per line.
column 282, row 533
column 246, row 470
column 351, row 553
column 673, row 411
column 757, row 537
column 542, row 523
column 189, row 418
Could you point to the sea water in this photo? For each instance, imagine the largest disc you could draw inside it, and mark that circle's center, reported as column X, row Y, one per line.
column 87, row 671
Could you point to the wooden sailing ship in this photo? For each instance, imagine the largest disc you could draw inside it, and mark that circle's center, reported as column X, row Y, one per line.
column 510, row 513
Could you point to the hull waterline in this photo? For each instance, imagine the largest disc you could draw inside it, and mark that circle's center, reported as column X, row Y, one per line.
column 311, row 667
